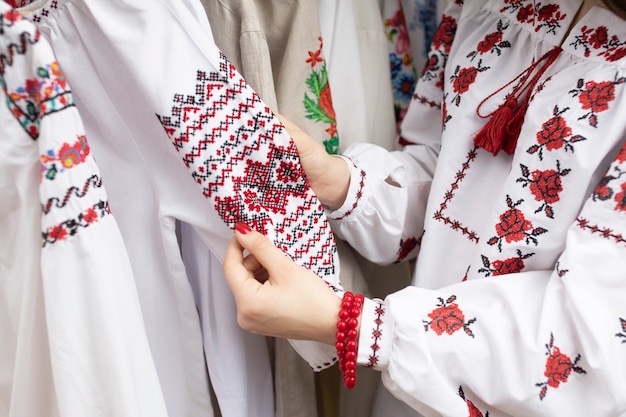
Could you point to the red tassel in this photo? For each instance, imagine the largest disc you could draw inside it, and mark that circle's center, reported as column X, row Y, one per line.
column 505, row 123
column 494, row 133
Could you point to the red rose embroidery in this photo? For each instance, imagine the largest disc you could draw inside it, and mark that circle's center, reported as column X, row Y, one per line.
column 599, row 37
column 502, row 267
column 558, row 368
column 406, row 246
column 544, row 185
column 445, row 33
column 448, row 318
column 463, row 78
column 596, row 97
column 513, row 227
column 471, row 408
column 555, row 134
column 620, row 199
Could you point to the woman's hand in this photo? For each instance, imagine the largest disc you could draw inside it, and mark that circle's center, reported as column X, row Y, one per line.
column 329, row 176
column 274, row 295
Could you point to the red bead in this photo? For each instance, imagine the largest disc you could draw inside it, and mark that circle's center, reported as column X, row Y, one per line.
column 342, row 325
column 345, row 313
column 340, row 346
column 352, row 323
column 351, row 345
column 350, row 364
column 340, row 336
column 350, row 355
column 350, row 382
column 354, row 312
column 352, row 334
column 350, row 373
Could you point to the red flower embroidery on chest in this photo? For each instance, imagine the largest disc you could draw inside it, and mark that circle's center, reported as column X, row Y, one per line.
column 555, row 134
column 558, row 368
column 545, row 185
column 492, row 42
column 511, row 265
column 472, row 409
column 463, row 78
column 596, row 96
column 438, row 55
column 448, row 318
column 598, row 41
column 514, row 227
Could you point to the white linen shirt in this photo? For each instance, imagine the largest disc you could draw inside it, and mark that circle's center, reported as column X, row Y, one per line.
column 518, row 307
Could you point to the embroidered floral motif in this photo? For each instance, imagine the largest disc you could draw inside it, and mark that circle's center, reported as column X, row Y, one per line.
column 514, row 227
column 558, row 368
column 463, row 78
column 406, row 246
column 438, row 56
column 622, row 334
column 545, row 185
column 599, row 42
column 473, row 410
column 541, row 16
column 70, row 227
column 507, row 266
column 246, row 165
column 448, row 318
column 403, row 76
column 595, row 97
column 44, row 94
column 67, row 157
column 605, row 190
column 320, row 108
column 377, row 334
column 440, row 214
column 555, row 134
column 492, row 42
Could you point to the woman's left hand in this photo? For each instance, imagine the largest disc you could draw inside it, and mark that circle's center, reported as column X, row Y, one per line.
column 274, row 295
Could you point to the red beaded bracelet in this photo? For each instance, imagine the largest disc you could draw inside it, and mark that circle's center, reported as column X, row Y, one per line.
column 347, row 336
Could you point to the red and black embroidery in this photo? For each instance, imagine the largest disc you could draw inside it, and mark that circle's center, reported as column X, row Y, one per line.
column 7, row 20
column 545, row 185
column 510, row 265
column 448, row 318
column 555, row 134
column 558, row 369
column 605, row 232
column 70, row 227
column 440, row 214
column 377, row 334
column 93, row 182
column 609, row 188
column 246, row 164
column 473, row 410
column 406, row 246
column 560, row 272
column 514, row 227
column 492, row 42
column 463, row 78
column 595, row 97
column 440, row 49
column 599, row 42
column 542, row 16
column 359, row 195
column 622, row 333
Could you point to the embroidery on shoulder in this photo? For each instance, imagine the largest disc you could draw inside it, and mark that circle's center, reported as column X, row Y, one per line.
column 599, row 42
column 558, row 368
column 492, row 42
column 448, row 318
column 320, row 107
column 595, row 97
column 473, row 410
column 546, row 16
column 440, row 49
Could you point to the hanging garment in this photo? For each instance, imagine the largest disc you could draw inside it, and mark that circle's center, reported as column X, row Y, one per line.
column 73, row 338
column 181, row 137
column 518, row 303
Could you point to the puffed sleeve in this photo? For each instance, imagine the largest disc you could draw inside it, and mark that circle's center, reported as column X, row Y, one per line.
column 531, row 343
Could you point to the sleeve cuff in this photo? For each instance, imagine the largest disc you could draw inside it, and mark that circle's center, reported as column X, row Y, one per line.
column 375, row 336
column 355, row 191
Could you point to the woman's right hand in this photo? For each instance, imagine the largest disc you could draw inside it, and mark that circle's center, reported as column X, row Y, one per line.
column 329, row 176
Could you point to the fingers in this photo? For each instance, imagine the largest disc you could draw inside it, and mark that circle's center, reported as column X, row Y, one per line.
column 265, row 254
column 238, row 270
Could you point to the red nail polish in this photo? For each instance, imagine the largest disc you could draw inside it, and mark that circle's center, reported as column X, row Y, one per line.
column 242, row 228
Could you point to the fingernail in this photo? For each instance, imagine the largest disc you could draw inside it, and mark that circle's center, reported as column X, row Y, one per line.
column 242, row 228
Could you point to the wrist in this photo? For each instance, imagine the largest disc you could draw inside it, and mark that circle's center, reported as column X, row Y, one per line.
column 334, row 184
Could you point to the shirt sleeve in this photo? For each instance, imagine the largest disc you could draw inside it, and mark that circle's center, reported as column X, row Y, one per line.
column 403, row 176
column 525, row 344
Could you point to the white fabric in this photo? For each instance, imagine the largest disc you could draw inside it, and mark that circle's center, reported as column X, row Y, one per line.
column 147, row 76
column 73, row 338
column 518, row 303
